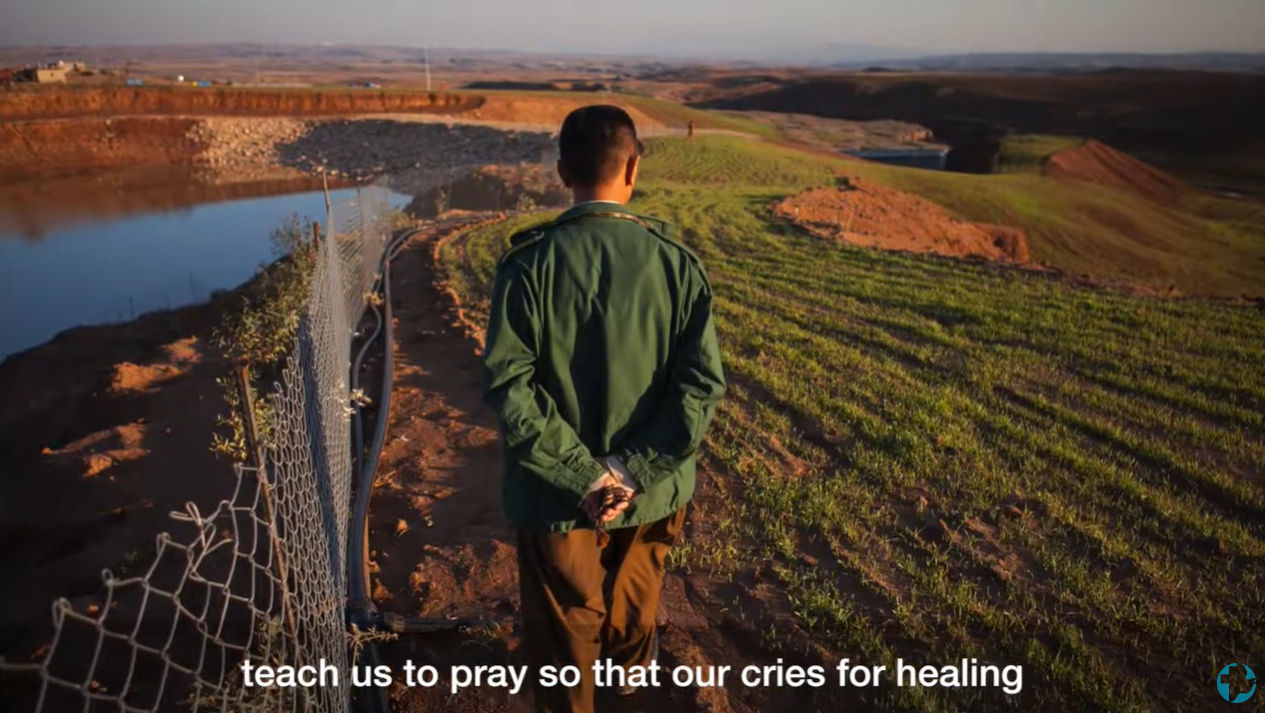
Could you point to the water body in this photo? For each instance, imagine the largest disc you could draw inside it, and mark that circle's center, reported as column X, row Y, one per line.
column 109, row 268
column 931, row 159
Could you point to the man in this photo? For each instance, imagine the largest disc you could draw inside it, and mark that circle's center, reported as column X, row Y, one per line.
column 603, row 366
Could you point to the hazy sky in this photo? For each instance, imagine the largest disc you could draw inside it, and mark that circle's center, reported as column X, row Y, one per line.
column 734, row 27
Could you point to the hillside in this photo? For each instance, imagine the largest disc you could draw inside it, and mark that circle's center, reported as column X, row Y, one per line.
column 1102, row 165
column 933, row 459
column 1203, row 125
column 1095, row 211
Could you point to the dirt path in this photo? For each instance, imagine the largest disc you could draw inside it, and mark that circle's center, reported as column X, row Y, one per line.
column 437, row 532
column 442, row 548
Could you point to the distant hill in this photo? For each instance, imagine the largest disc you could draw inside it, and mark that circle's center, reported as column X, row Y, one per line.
column 769, row 52
column 1047, row 62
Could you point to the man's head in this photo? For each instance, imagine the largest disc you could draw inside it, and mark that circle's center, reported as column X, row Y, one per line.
column 599, row 153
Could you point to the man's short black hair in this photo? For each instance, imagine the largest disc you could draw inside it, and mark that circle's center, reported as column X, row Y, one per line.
column 596, row 143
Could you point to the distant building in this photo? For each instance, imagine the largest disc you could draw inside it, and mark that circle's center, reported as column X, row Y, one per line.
column 44, row 75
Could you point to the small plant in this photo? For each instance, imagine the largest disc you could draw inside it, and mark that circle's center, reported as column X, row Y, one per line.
column 399, row 220
column 356, row 640
column 525, row 203
column 261, row 331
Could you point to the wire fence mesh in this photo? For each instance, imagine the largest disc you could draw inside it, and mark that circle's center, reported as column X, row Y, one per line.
column 261, row 577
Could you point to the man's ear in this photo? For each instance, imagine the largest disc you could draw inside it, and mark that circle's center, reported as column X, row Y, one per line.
column 562, row 173
column 630, row 170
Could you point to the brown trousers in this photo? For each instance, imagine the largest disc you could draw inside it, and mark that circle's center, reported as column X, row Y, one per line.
column 566, row 620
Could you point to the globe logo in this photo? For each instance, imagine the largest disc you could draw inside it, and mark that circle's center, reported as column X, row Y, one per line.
column 1236, row 683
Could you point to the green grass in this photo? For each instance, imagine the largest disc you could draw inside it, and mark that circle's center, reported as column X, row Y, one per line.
column 1026, row 153
column 982, row 462
column 1202, row 246
column 678, row 116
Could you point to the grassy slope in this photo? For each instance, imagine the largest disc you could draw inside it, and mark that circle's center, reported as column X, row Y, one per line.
column 1205, row 245
column 980, row 462
column 676, row 115
column 1025, row 153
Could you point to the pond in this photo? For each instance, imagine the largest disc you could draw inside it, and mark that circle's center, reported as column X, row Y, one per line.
column 935, row 159
column 58, row 272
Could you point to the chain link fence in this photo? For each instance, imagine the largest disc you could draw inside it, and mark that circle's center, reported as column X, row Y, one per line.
column 259, row 577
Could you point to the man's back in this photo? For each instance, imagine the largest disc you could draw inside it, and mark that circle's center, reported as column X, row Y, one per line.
column 603, row 368
column 611, row 311
column 611, row 303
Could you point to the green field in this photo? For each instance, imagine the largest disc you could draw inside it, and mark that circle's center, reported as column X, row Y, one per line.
column 939, row 460
column 1200, row 246
column 1026, row 153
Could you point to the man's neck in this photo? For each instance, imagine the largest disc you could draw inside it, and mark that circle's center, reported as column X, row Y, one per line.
column 579, row 196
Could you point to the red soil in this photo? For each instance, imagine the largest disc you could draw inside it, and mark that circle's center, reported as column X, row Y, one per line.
column 180, row 356
column 1099, row 163
column 80, row 101
column 104, row 432
column 548, row 111
column 863, row 213
column 30, row 149
column 72, row 101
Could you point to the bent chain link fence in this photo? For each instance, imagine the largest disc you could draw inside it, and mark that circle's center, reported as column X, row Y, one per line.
column 261, row 575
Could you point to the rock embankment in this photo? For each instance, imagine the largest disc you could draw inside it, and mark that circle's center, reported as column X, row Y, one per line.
column 242, row 143
column 410, row 153
column 369, row 148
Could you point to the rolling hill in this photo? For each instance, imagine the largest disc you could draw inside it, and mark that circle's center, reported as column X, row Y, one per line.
column 933, row 459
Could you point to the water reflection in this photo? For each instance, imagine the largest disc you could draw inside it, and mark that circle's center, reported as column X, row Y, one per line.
column 935, row 159
column 35, row 209
column 99, row 260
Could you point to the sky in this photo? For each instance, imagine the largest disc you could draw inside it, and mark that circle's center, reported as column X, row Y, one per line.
column 733, row 28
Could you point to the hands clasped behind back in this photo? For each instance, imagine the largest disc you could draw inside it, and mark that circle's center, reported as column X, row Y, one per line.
column 610, row 494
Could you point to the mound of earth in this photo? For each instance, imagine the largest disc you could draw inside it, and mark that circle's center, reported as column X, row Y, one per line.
column 863, row 213
column 1099, row 163
column 548, row 112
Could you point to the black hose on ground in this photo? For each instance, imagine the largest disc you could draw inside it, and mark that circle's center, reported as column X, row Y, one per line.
column 362, row 613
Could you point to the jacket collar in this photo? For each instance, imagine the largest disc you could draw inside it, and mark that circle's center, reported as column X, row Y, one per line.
column 596, row 208
column 593, row 207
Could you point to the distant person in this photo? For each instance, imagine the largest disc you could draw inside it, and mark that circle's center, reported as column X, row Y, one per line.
column 603, row 366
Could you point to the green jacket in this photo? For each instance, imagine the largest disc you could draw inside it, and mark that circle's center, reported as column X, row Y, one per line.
column 600, row 342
